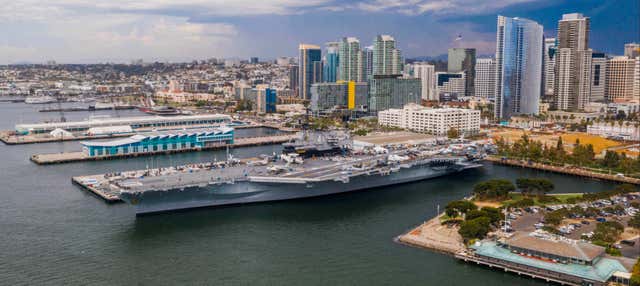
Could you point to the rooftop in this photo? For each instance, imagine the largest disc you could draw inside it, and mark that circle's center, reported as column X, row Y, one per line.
column 564, row 248
column 153, row 135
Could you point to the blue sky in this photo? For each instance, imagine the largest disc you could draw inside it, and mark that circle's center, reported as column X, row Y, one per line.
column 83, row 31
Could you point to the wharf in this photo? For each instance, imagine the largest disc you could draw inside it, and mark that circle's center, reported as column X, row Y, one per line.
column 105, row 194
column 74, row 109
column 67, row 157
column 576, row 171
column 9, row 138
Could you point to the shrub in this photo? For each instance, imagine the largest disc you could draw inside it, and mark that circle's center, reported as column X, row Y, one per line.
column 475, row 228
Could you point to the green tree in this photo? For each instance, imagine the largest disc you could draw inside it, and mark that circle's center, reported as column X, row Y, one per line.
column 459, row 207
column 497, row 189
column 607, row 232
column 475, row 228
column 537, row 186
column 635, row 221
column 611, row 159
column 453, row 133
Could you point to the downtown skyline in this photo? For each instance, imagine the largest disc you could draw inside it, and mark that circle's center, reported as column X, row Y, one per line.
column 120, row 31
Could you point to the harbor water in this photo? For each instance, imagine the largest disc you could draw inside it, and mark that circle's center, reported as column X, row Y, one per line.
column 53, row 233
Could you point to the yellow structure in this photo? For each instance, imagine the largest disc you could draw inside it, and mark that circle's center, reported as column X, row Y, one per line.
column 351, row 95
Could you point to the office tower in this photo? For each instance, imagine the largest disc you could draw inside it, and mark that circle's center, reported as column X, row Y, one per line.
column 518, row 67
column 310, row 68
column 426, row 73
column 387, row 60
column 598, row 76
column 549, row 65
column 342, row 95
column 632, row 50
column 450, row 86
column 485, row 84
column 265, row 99
column 623, row 79
column 393, row 91
column 294, row 79
column 350, row 60
column 330, row 65
column 367, row 59
column 254, row 60
column 464, row 60
column 573, row 63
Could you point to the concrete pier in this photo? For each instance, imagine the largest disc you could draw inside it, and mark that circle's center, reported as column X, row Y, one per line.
column 106, row 195
column 67, row 157
column 434, row 236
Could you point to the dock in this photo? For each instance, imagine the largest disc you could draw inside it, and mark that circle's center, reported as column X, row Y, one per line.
column 8, row 138
column 433, row 236
column 79, row 109
column 68, row 157
column 571, row 170
column 105, row 194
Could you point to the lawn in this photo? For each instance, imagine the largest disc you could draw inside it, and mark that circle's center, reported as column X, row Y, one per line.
column 561, row 197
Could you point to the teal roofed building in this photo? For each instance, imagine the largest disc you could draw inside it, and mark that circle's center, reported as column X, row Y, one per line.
column 160, row 142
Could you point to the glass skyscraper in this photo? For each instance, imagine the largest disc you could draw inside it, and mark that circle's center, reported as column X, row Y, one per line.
column 330, row 66
column 310, row 68
column 519, row 49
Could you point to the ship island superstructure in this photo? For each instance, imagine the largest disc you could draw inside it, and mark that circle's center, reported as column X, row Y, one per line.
column 305, row 172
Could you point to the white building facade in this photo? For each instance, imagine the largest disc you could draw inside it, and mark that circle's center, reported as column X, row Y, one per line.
column 485, row 84
column 433, row 121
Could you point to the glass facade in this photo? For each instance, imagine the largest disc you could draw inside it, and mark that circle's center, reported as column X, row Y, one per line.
column 393, row 92
column 310, row 68
column 519, row 49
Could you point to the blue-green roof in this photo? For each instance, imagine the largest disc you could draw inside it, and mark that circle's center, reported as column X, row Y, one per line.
column 600, row 271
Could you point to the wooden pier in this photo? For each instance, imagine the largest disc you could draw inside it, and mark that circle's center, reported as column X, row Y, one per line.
column 67, row 157
column 569, row 170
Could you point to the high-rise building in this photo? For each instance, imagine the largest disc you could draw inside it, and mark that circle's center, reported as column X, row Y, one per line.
column 632, row 50
column 518, row 67
column 310, row 68
column 573, row 63
column 450, row 85
column 464, row 60
column 294, row 79
column 549, row 65
column 265, row 99
column 387, row 59
column 426, row 73
column 342, row 95
column 598, row 76
column 367, row 62
column 330, row 65
column 350, row 60
column 485, row 85
column 254, row 60
column 623, row 79
column 393, row 91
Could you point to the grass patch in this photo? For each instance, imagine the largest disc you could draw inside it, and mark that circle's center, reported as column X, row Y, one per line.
column 562, row 198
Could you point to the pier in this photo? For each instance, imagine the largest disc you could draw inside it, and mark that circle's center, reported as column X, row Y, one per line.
column 570, row 170
column 67, row 157
column 434, row 236
column 87, row 183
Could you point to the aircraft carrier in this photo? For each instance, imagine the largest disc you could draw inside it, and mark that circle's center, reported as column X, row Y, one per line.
column 308, row 169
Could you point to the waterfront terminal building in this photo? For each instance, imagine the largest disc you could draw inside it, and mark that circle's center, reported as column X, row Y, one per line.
column 436, row 121
column 160, row 142
column 153, row 122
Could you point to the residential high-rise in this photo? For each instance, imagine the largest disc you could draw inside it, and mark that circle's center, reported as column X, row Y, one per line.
column 330, row 65
column 485, row 84
column 310, row 68
column 632, row 50
column 518, row 67
column 393, row 91
column 573, row 63
column 450, row 85
column 549, row 65
column 464, row 60
column 294, row 79
column 350, row 60
column 426, row 73
column 598, row 76
column 623, row 79
column 368, row 62
column 387, row 60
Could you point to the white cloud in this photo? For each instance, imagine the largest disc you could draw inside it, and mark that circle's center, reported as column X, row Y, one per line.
column 457, row 7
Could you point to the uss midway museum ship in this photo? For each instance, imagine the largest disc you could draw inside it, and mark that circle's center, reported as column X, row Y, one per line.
column 317, row 164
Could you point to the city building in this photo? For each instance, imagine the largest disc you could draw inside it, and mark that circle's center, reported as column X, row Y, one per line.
column 450, row 86
column 368, row 62
column 485, row 84
column 622, row 79
column 518, row 67
column 573, row 63
column 294, row 79
column 331, row 60
column 598, row 76
column 159, row 142
column 436, row 121
column 348, row 95
column 426, row 73
column 632, row 50
column 393, row 91
column 254, row 60
column 310, row 69
column 387, row 59
column 550, row 48
column 266, row 99
column 350, row 60
column 464, row 60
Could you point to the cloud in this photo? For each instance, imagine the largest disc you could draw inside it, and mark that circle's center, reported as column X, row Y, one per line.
column 437, row 7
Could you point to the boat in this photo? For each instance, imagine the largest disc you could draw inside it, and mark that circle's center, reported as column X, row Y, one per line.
column 280, row 177
column 160, row 110
column 40, row 99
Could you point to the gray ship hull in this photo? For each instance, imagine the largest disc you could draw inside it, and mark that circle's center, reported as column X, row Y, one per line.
column 244, row 191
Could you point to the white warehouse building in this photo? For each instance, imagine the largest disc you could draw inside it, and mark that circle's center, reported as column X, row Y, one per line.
column 433, row 121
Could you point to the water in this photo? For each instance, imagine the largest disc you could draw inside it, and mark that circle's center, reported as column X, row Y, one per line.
column 53, row 233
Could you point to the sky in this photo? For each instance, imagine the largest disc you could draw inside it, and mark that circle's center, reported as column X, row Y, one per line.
column 90, row 31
